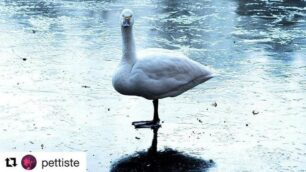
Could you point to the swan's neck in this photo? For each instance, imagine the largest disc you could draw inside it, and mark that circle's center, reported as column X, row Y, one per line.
column 128, row 49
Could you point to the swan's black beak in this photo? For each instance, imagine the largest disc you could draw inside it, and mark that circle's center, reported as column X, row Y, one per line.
column 126, row 22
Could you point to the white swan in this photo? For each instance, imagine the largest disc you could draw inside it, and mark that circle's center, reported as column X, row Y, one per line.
column 153, row 73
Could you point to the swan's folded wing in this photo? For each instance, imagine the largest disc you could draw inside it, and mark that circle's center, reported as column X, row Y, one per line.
column 156, row 76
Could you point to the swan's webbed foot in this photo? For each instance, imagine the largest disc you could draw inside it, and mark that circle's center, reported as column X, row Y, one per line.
column 146, row 124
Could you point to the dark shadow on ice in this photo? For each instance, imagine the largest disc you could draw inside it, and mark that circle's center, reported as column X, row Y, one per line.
column 160, row 161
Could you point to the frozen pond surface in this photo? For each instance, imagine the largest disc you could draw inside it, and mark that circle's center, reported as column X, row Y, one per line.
column 57, row 59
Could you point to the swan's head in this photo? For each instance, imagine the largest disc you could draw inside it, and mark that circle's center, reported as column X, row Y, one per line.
column 127, row 18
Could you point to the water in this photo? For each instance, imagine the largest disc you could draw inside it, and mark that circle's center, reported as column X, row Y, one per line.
column 57, row 59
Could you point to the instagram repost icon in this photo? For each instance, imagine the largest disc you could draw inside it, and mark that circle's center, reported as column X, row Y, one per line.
column 28, row 162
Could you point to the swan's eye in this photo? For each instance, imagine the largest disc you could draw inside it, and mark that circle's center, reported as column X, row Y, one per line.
column 128, row 17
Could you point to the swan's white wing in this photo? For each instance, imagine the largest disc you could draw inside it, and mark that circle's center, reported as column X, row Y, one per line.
column 164, row 73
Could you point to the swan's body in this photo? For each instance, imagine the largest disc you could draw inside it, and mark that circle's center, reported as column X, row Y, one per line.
column 154, row 73
column 159, row 73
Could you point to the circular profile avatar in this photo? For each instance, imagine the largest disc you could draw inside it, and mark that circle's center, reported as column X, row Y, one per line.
column 28, row 162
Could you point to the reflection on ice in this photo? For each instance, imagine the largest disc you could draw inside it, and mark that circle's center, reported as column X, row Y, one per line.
column 161, row 161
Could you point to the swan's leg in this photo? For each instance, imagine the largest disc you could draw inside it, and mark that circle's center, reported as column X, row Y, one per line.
column 149, row 124
column 156, row 117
